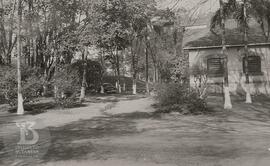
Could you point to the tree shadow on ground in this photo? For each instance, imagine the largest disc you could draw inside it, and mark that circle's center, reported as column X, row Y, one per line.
column 105, row 98
column 2, row 157
column 73, row 141
column 139, row 115
column 102, row 100
column 39, row 108
column 258, row 111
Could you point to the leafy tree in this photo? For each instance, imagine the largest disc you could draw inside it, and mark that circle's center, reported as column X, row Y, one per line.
column 260, row 10
column 112, row 24
column 7, row 26
column 94, row 72
column 32, row 83
column 139, row 22
column 256, row 9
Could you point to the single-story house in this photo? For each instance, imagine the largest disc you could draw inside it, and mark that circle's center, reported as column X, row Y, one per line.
column 205, row 51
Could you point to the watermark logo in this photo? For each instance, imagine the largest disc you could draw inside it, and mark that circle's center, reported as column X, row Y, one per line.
column 26, row 140
column 29, row 137
column 26, row 129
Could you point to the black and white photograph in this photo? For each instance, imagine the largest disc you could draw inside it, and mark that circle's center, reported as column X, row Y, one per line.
column 134, row 82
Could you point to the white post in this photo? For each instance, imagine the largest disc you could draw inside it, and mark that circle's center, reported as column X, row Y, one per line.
column 102, row 89
column 134, row 88
column 227, row 102
column 248, row 95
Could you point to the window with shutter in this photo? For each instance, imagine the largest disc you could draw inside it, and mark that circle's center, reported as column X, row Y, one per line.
column 215, row 67
column 253, row 66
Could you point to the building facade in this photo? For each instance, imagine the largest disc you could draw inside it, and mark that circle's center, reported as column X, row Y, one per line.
column 210, row 60
column 204, row 51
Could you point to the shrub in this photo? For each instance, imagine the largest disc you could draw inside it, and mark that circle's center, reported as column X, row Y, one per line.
column 66, row 102
column 180, row 71
column 175, row 97
column 94, row 73
column 2, row 99
column 200, row 80
column 31, row 84
column 66, row 82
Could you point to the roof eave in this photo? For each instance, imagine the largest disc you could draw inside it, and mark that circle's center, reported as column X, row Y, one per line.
column 228, row 46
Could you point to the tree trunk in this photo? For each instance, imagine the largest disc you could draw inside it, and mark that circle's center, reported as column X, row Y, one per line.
column 124, row 87
column 56, row 92
column 35, row 52
column 10, row 33
column 227, row 98
column 28, row 56
column 120, row 88
column 178, row 39
column 31, row 53
column 154, row 60
column 82, row 96
column 134, row 85
column 134, row 82
column 20, row 109
column 3, row 39
column 102, row 89
column 45, row 90
column 147, row 66
column 118, row 71
column 154, row 76
column 155, row 69
column 157, row 75
column 134, row 66
column 83, row 88
column 1, row 59
column 248, row 95
column 104, row 69
column 147, row 72
column 7, row 42
column 30, row 36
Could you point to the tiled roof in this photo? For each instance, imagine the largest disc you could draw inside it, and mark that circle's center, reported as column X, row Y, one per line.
column 233, row 37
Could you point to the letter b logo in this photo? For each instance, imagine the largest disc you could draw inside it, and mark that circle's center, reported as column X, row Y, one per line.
column 26, row 128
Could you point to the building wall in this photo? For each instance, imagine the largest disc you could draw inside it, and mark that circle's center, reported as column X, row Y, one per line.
column 259, row 83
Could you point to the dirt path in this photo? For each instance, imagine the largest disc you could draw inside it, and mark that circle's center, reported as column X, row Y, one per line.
column 129, row 135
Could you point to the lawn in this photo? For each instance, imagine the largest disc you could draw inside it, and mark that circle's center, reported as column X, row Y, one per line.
column 127, row 132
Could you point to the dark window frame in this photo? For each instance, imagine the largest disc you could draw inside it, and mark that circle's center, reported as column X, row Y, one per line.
column 254, row 65
column 212, row 63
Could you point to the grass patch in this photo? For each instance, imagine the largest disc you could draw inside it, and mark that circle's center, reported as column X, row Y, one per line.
column 39, row 108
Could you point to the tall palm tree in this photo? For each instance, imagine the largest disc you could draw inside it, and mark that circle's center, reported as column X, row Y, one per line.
column 219, row 19
column 20, row 109
column 241, row 15
column 245, row 27
column 227, row 98
column 260, row 10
